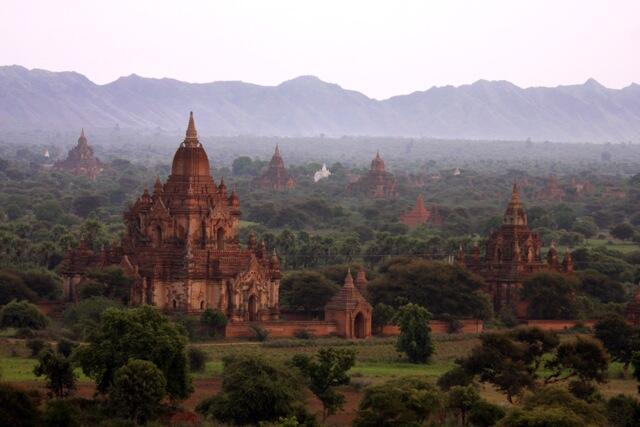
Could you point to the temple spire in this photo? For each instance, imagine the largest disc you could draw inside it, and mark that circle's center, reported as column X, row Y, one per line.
column 192, row 133
column 348, row 281
column 515, row 194
column 277, row 152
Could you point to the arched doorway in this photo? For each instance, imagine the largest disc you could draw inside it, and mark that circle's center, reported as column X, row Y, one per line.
column 158, row 236
column 201, row 305
column 359, row 326
column 175, row 304
column 253, row 309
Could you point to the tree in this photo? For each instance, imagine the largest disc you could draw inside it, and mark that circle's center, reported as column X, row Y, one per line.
column 510, row 361
column 137, row 390
column 115, row 284
column 618, row 337
column 83, row 316
column 584, row 358
column 214, row 320
column 382, row 315
column 485, row 414
column 602, row 287
column 255, row 390
column 408, row 401
column 440, row 288
column 12, row 287
column 61, row 413
column 635, row 362
column 553, row 406
column 138, row 333
column 326, row 371
column 58, row 370
column 22, row 314
column 415, row 334
column 307, row 290
column 461, row 399
column 550, row 296
column 623, row 411
column 17, row 408
column 197, row 359
column 623, row 231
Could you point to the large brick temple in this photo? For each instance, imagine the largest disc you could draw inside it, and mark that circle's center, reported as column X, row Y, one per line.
column 276, row 177
column 181, row 247
column 80, row 160
column 512, row 254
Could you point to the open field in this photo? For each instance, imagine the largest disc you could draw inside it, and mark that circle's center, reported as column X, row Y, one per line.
column 377, row 361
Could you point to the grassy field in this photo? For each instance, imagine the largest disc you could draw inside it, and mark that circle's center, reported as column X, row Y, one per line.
column 377, row 360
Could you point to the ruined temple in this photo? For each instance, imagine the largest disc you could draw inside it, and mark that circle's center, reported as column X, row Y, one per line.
column 276, row 177
column 551, row 190
column 80, row 160
column 378, row 183
column 181, row 247
column 512, row 254
column 417, row 215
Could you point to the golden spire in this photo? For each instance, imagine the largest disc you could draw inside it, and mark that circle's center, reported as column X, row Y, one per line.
column 192, row 134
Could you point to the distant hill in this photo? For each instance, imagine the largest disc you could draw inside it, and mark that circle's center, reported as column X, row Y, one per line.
column 307, row 106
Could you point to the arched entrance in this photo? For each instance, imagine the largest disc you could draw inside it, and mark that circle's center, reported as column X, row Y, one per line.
column 253, row 308
column 220, row 239
column 359, row 326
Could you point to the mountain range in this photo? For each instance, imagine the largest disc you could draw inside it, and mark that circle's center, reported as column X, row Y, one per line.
column 308, row 106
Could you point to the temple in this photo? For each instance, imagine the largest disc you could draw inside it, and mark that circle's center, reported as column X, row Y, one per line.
column 322, row 173
column 551, row 190
column 512, row 254
column 349, row 310
column 276, row 177
column 80, row 160
column 181, row 247
column 377, row 183
column 417, row 215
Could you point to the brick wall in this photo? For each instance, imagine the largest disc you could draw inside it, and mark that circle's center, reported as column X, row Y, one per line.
column 557, row 325
column 282, row 329
column 469, row 326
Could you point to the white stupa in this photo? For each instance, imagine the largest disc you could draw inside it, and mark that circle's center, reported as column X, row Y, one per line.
column 46, row 153
column 321, row 174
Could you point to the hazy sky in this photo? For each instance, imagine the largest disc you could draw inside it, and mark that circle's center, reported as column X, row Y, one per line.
column 379, row 48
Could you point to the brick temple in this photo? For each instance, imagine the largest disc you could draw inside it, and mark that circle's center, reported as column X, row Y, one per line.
column 417, row 215
column 551, row 190
column 80, row 160
column 513, row 254
column 181, row 247
column 378, row 183
column 276, row 177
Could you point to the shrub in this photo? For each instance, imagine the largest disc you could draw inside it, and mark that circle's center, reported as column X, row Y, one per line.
column 35, row 345
column 61, row 413
column 22, row 314
column 17, row 408
column 65, row 347
column 260, row 333
column 303, row 334
column 215, row 321
column 197, row 359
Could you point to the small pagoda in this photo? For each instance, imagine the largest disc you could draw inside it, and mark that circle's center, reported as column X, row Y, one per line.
column 80, row 160
column 350, row 310
column 417, row 215
column 276, row 177
column 378, row 183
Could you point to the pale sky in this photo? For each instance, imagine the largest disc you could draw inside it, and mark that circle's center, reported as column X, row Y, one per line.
column 381, row 48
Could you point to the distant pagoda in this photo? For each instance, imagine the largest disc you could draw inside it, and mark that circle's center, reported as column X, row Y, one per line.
column 276, row 177
column 378, row 183
column 551, row 190
column 417, row 215
column 80, row 160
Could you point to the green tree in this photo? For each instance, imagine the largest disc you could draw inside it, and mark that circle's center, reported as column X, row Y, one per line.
column 415, row 333
column 602, row 287
column 115, row 284
column 214, row 320
column 137, row 390
column 22, row 314
column 510, row 361
column 485, row 414
column 440, row 288
column 17, row 408
column 382, row 315
column 550, row 296
column 12, row 287
column 61, row 413
column 623, row 411
column 84, row 316
column 58, row 370
column 138, row 333
column 623, row 231
column 327, row 370
column 618, row 337
column 306, row 290
column 461, row 399
column 406, row 402
column 583, row 358
column 254, row 390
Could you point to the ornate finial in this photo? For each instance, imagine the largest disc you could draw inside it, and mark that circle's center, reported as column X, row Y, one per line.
column 192, row 134
column 348, row 281
column 515, row 193
column 157, row 186
column 222, row 186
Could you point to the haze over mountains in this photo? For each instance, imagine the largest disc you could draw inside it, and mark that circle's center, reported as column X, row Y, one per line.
column 307, row 106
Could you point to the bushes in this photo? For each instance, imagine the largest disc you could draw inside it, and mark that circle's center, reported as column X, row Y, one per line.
column 260, row 333
column 22, row 314
column 197, row 359
column 215, row 321
column 35, row 345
